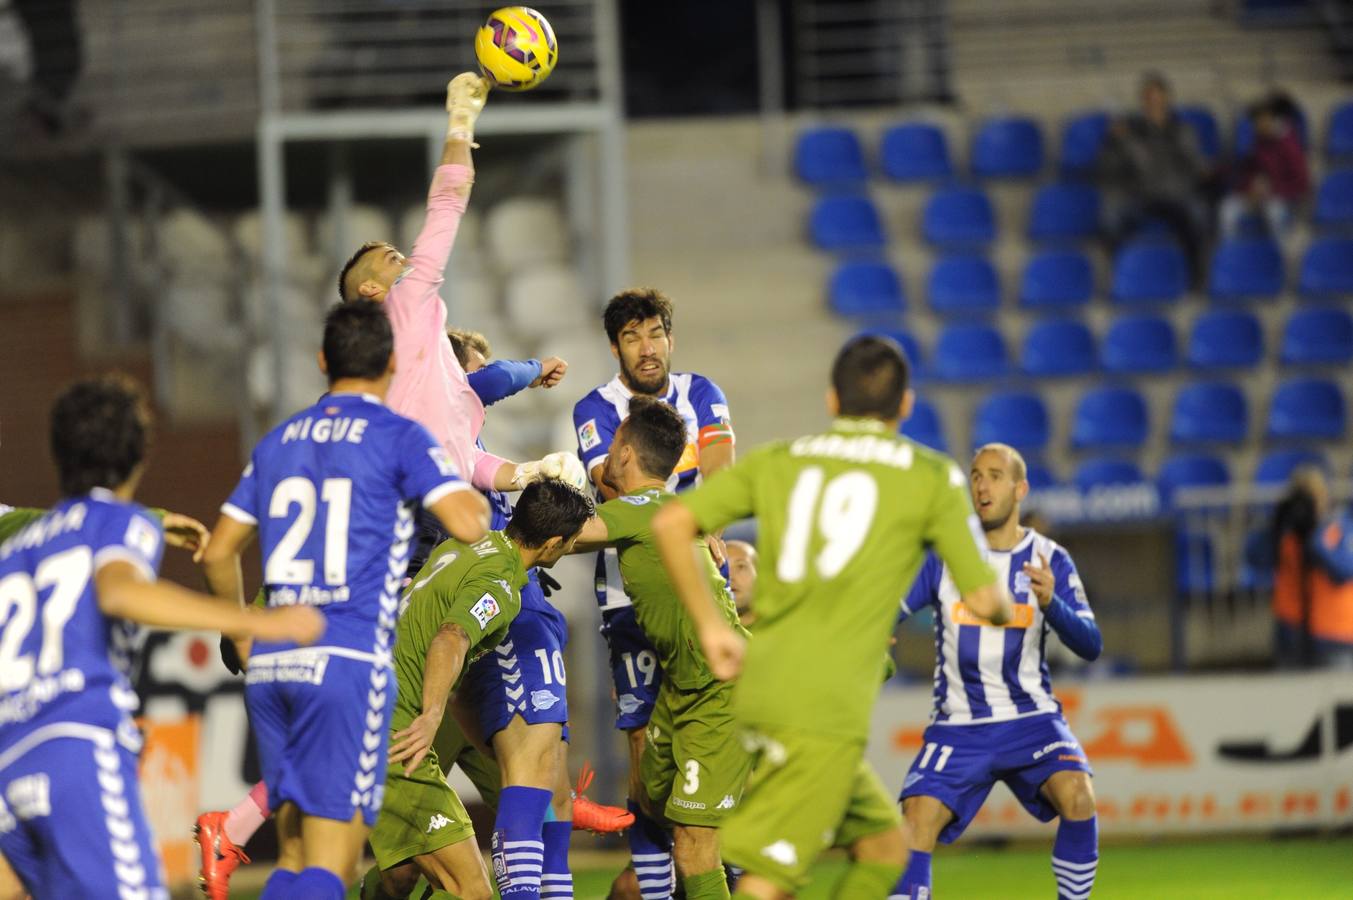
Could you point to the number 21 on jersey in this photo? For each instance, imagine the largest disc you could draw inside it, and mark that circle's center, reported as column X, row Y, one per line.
column 839, row 512
column 284, row 565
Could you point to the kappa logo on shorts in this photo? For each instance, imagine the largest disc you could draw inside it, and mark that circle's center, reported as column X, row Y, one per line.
column 629, row 704
column 588, row 436
column 437, row 823
column 781, row 852
column 727, row 802
column 543, row 700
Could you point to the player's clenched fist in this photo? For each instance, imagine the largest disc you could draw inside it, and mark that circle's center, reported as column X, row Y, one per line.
column 723, row 648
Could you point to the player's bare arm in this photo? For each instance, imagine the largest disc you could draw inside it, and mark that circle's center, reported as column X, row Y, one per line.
column 991, row 603
column 464, row 515
column 445, row 660
column 675, row 531
column 593, row 537
column 124, row 593
column 221, row 566
column 714, row 457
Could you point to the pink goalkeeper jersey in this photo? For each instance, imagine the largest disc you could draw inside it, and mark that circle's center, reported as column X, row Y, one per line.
column 430, row 386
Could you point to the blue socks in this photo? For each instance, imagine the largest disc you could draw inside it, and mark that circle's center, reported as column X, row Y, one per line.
column 915, row 883
column 651, row 853
column 518, row 848
column 278, row 885
column 1075, row 857
column 307, row 884
column 556, row 882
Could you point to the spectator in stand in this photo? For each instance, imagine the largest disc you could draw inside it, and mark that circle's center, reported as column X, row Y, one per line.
column 1150, row 168
column 1288, row 552
column 1332, row 597
column 1274, row 177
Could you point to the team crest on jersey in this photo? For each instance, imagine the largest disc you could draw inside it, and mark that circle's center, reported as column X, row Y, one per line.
column 588, row 437
column 720, row 412
column 484, row 610
column 1022, row 582
column 636, row 499
column 142, row 537
column 628, row 703
column 443, row 462
column 543, row 700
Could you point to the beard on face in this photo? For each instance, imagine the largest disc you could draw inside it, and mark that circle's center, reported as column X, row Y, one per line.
column 996, row 524
column 646, row 385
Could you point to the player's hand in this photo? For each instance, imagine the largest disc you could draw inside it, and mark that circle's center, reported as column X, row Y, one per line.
column 1040, row 581
column 552, row 370
column 717, row 549
column 560, row 466
column 186, row 533
column 467, row 92
column 230, row 656
column 412, row 744
column 302, row 624
column 723, row 649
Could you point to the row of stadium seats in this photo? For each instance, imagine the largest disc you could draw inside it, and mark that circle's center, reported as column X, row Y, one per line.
column 1203, row 412
column 1133, row 344
column 1061, row 212
column 1144, row 273
column 1013, row 147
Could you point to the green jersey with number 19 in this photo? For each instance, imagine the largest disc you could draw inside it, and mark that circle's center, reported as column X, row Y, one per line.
column 476, row 586
column 843, row 522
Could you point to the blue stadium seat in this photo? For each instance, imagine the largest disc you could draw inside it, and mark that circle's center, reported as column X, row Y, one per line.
column 1327, row 268
column 1139, row 344
column 1278, row 465
column 1187, row 470
column 1149, row 271
column 1209, row 412
column 1039, row 476
column 1064, row 212
column 907, row 341
column 1334, row 200
column 1057, row 279
column 826, row 157
column 1109, row 417
column 1225, row 339
column 958, row 216
column 1195, row 562
column 1204, row 126
column 1007, row 147
column 1107, row 472
column 916, row 151
column 924, row 426
column 1017, row 418
column 846, row 222
column 866, row 290
column 1082, row 137
column 1246, row 268
column 1339, row 134
column 1318, row 337
column 1059, row 347
column 1307, row 408
column 963, row 283
column 970, row 353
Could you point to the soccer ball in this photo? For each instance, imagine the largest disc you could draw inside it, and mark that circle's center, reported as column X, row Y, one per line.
column 516, row 48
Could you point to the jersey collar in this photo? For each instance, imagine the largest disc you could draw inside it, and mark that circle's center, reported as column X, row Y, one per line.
column 369, row 398
column 1023, row 543
column 853, row 423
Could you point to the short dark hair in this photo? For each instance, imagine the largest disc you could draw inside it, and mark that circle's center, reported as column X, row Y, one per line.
column 357, row 340
column 348, row 266
column 870, row 376
column 636, row 305
column 657, row 433
column 1153, row 78
column 463, row 340
column 547, row 509
column 100, row 433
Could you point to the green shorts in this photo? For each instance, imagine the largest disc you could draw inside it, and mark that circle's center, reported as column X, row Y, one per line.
column 694, row 766
column 806, row 793
column 420, row 814
column 455, row 749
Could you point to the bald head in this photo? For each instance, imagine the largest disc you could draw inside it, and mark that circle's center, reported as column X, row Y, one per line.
column 999, row 481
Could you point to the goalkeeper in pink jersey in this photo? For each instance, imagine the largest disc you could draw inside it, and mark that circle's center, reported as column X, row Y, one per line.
column 430, row 386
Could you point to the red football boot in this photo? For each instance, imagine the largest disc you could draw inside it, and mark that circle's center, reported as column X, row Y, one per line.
column 220, row 856
column 588, row 815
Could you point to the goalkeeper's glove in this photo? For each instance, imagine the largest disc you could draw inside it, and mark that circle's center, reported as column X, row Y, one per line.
column 560, row 466
column 548, row 584
column 231, row 656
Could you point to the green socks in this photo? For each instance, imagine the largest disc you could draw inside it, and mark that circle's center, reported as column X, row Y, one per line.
column 867, row 881
column 708, row 886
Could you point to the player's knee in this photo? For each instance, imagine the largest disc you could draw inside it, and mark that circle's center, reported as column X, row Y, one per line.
column 1079, row 804
column 695, row 849
column 888, row 847
column 922, row 825
column 625, row 886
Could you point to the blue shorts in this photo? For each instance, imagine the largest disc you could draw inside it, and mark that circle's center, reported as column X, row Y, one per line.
column 959, row 764
column 524, row 675
column 321, row 720
column 73, row 825
column 634, row 668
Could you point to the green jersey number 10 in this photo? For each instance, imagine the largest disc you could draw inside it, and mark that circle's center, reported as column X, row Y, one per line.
column 842, row 512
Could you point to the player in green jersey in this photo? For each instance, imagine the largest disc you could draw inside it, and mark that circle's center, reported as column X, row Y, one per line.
column 693, row 766
column 843, row 521
column 459, row 606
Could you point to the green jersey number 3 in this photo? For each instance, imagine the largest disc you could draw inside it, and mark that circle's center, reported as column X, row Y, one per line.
column 842, row 512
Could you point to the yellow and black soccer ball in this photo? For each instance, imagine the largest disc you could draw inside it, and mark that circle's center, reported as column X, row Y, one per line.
column 516, row 48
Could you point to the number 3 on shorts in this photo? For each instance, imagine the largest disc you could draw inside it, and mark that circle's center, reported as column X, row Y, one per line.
column 692, row 777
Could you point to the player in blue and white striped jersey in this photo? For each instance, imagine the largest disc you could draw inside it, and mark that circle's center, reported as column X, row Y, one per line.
column 638, row 325
column 995, row 717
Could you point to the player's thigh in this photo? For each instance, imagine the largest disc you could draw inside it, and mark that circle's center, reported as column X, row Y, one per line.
column 710, row 761
column 528, row 754
column 634, row 669
column 872, row 826
column 956, row 766
column 795, row 801
column 82, row 828
column 484, row 774
column 923, row 819
column 332, row 845
column 420, row 815
column 1071, row 793
column 457, row 868
column 1034, row 751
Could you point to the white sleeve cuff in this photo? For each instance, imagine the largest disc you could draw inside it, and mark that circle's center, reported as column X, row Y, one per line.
column 116, row 553
column 443, row 489
column 238, row 514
